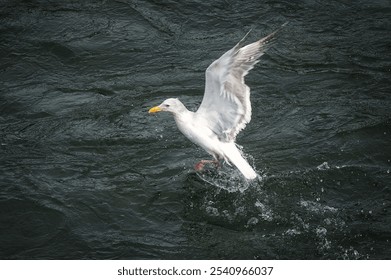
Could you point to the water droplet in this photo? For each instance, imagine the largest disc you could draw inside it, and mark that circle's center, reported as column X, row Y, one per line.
column 292, row 232
column 252, row 221
column 323, row 166
column 321, row 231
column 212, row 211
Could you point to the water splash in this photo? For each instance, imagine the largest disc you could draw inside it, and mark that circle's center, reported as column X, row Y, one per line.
column 323, row 166
column 227, row 178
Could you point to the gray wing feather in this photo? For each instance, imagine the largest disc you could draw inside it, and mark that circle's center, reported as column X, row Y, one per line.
column 226, row 104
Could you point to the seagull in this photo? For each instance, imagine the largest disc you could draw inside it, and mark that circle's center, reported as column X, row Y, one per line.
column 225, row 108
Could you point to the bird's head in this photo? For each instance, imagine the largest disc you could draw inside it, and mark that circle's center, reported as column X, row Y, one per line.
column 172, row 105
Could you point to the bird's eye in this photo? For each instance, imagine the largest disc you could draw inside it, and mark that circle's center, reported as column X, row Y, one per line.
column 167, row 105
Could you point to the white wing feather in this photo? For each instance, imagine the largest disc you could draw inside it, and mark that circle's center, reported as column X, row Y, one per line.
column 226, row 104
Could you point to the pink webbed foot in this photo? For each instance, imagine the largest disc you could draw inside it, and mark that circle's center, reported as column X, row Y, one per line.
column 201, row 164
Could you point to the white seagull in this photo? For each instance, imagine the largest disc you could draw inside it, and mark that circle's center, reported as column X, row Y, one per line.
column 225, row 109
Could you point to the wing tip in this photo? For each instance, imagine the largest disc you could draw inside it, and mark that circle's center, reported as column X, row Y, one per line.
column 238, row 45
column 271, row 36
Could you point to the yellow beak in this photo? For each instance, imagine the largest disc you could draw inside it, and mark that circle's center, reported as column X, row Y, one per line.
column 154, row 109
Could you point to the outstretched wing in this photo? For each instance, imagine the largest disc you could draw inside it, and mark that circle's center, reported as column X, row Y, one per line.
column 226, row 104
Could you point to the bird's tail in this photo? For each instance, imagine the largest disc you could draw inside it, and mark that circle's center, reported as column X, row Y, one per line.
column 234, row 156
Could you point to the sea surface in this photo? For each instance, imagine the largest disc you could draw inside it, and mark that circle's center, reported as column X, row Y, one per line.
column 87, row 173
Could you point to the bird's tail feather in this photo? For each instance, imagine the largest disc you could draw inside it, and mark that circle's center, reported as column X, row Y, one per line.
column 234, row 156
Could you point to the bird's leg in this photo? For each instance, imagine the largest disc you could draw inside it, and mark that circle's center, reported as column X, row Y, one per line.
column 200, row 165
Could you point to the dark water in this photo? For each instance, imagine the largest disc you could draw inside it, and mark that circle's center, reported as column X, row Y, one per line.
column 86, row 173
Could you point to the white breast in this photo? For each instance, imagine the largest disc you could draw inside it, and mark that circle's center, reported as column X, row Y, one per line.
column 199, row 133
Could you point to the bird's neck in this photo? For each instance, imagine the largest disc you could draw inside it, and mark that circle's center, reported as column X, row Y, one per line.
column 181, row 111
column 184, row 121
column 182, row 114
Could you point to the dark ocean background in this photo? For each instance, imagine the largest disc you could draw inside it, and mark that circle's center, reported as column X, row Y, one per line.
column 86, row 173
